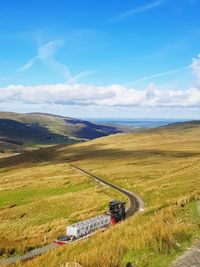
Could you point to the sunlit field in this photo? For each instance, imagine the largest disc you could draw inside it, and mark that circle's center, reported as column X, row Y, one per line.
column 41, row 200
column 161, row 166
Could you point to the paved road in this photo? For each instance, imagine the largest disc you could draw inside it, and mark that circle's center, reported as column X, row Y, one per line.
column 135, row 204
column 32, row 254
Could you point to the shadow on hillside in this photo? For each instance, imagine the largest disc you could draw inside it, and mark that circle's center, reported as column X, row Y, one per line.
column 75, row 153
column 95, row 151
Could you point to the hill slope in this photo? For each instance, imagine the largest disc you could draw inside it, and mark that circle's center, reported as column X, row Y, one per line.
column 161, row 166
column 181, row 126
column 35, row 128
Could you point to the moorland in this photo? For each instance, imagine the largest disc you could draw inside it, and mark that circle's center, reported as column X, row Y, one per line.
column 41, row 194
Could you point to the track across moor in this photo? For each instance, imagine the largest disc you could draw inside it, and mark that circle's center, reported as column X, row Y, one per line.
column 135, row 204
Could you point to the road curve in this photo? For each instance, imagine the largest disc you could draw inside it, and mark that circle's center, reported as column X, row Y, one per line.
column 135, row 204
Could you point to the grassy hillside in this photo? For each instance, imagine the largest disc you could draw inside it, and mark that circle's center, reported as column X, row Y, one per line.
column 160, row 165
column 17, row 130
column 41, row 199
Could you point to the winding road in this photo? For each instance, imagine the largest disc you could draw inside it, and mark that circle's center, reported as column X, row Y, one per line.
column 135, row 204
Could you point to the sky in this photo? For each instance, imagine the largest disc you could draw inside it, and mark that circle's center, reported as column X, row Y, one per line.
column 114, row 59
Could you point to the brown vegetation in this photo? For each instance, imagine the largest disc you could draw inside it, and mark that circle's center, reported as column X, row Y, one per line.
column 162, row 166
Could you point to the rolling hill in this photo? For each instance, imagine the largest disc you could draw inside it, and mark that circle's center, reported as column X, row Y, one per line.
column 17, row 130
column 161, row 165
column 181, row 126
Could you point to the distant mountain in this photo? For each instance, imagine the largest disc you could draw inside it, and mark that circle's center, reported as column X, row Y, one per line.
column 17, row 130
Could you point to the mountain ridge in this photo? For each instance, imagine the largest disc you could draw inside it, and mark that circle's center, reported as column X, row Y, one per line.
column 20, row 129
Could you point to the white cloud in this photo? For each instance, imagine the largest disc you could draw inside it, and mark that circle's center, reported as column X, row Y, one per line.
column 112, row 95
column 157, row 75
column 45, row 54
column 139, row 9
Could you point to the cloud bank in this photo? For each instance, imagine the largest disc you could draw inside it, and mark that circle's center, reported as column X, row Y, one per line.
column 112, row 95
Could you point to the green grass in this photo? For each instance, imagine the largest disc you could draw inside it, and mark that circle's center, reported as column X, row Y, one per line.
column 25, row 196
column 189, row 215
column 41, row 199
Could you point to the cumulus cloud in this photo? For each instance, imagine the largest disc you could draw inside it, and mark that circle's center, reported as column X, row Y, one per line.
column 112, row 95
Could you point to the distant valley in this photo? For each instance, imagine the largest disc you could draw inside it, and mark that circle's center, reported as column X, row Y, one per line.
column 18, row 131
column 136, row 123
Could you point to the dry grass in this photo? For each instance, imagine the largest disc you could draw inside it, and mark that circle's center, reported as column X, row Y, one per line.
column 163, row 168
column 41, row 200
column 140, row 239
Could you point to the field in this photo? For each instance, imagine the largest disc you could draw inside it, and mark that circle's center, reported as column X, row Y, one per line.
column 38, row 201
column 162, row 166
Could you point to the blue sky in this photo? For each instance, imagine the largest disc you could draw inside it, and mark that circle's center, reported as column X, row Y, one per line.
column 113, row 58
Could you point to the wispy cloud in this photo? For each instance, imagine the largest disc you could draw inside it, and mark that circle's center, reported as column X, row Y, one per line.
column 80, row 75
column 45, row 54
column 139, row 9
column 157, row 75
column 196, row 68
column 28, row 64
